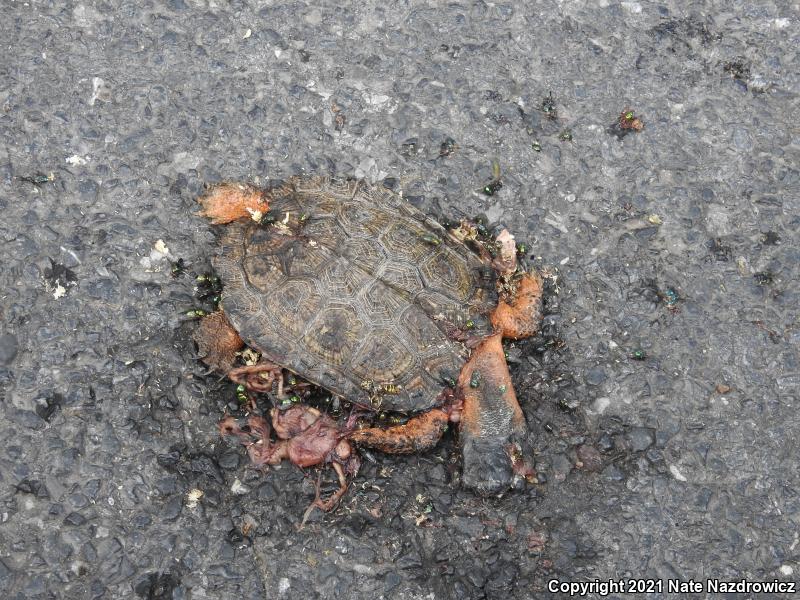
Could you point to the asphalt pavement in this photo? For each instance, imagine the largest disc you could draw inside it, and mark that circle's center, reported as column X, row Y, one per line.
column 648, row 155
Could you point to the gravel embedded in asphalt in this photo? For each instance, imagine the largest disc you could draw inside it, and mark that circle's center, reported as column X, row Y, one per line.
column 679, row 240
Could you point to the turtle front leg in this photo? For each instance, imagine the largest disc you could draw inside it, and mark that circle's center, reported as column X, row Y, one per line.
column 226, row 202
column 217, row 342
column 493, row 429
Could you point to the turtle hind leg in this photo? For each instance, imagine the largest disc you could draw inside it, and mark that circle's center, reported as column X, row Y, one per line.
column 226, row 202
column 217, row 342
column 493, row 430
column 493, row 426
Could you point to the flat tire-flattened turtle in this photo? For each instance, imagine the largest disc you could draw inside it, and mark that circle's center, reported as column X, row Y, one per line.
column 349, row 287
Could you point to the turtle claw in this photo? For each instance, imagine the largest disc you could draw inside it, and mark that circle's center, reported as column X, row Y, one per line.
column 493, row 465
column 487, row 468
column 333, row 499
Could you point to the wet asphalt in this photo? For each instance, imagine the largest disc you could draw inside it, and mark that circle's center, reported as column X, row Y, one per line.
column 660, row 395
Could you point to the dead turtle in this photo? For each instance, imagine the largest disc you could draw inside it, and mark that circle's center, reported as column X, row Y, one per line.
column 347, row 286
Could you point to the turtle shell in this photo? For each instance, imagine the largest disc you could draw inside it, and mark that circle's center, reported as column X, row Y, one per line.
column 352, row 288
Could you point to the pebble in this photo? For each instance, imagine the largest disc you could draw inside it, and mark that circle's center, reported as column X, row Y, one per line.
column 8, row 348
column 561, row 465
column 141, row 521
column 89, row 552
column 207, row 466
column 391, row 581
column 157, row 586
column 229, row 460
column 78, row 500
column 613, row 473
column 477, row 576
column 742, row 139
column 92, row 488
column 595, row 375
column 283, row 586
column 102, row 289
column 600, row 405
column 239, row 488
column 33, row 486
column 655, row 456
column 172, row 508
column 589, row 457
column 167, row 486
column 676, row 473
column 266, row 491
column 75, row 519
column 640, row 438
column 5, row 572
column 26, row 418
column 325, row 571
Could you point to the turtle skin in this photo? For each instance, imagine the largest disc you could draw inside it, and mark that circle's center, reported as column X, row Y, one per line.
column 353, row 289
